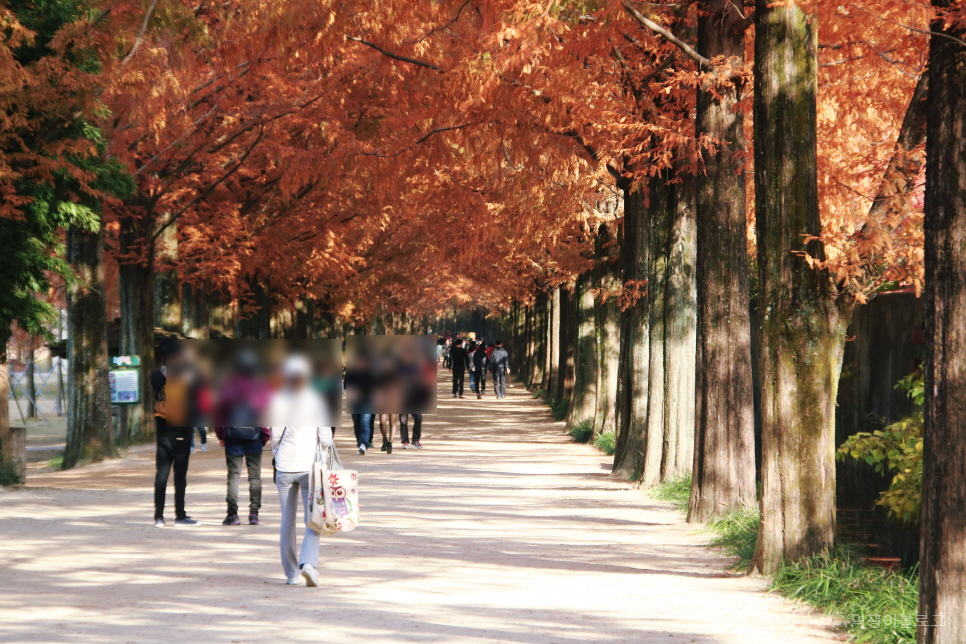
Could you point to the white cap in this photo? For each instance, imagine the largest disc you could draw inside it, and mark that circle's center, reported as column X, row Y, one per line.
column 296, row 366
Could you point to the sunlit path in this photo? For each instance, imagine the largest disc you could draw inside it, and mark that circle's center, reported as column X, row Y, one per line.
column 500, row 530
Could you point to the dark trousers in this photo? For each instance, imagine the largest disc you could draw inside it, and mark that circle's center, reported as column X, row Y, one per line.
column 499, row 383
column 254, row 463
column 458, row 381
column 480, row 381
column 362, row 426
column 174, row 450
column 417, row 427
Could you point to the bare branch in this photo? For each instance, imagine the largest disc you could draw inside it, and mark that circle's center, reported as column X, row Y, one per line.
column 144, row 28
column 405, row 59
column 689, row 51
column 207, row 191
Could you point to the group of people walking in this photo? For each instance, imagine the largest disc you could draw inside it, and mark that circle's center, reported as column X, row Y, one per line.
column 245, row 398
column 478, row 358
column 363, row 426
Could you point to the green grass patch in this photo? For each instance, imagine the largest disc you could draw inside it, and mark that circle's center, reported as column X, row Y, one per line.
column 677, row 491
column 875, row 606
column 56, row 462
column 737, row 535
column 582, row 431
column 607, row 442
column 537, row 393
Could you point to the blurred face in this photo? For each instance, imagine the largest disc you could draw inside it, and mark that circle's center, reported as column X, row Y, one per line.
column 297, row 383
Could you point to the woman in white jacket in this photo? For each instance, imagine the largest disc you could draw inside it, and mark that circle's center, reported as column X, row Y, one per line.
column 292, row 411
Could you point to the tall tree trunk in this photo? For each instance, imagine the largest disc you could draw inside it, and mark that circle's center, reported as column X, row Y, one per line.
column 658, row 233
column 167, row 285
column 90, row 435
column 724, row 453
column 540, row 339
column 942, row 573
column 633, row 363
column 549, row 382
column 136, row 277
column 568, row 334
column 5, row 335
column 607, row 320
column 30, row 384
column 680, row 328
column 802, row 325
column 194, row 311
column 584, row 399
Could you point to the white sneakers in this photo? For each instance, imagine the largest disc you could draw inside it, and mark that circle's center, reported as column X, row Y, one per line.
column 311, row 575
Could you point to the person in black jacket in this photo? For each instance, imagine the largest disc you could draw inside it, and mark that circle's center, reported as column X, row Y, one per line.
column 461, row 362
column 479, row 367
column 173, row 443
column 500, row 366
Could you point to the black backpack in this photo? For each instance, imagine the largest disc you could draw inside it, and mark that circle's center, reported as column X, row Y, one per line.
column 244, row 424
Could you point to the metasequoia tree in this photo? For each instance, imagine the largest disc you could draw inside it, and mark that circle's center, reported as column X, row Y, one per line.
column 942, row 585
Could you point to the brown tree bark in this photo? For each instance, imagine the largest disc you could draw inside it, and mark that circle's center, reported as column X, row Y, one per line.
column 5, row 335
column 167, row 285
column 723, row 476
column 584, row 399
column 633, row 364
column 137, row 291
column 538, row 368
column 606, row 280
column 194, row 311
column 90, row 435
column 565, row 352
column 551, row 372
column 680, row 339
column 802, row 324
column 942, row 572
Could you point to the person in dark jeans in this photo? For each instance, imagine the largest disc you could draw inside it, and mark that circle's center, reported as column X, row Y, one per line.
column 500, row 366
column 239, row 416
column 417, row 430
column 362, row 425
column 461, row 363
column 249, row 453
column 173, row 446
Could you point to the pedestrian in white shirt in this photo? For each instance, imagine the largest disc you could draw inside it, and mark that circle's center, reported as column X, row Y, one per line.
column 294, row 446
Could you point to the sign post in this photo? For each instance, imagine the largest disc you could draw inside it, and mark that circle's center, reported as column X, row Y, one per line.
column 125, row 379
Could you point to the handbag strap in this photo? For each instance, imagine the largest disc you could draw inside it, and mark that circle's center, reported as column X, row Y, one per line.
column 280, row 439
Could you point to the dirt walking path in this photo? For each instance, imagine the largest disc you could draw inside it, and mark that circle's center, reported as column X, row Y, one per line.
column 500, row 530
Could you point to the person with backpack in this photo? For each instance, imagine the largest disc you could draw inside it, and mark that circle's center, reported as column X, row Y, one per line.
column 174, row 402
column 500, row 366
column 239, row 420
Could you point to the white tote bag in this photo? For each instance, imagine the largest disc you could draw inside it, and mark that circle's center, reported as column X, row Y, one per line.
column 335, row 494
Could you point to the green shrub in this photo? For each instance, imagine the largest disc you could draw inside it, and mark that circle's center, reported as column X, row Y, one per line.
column 898, row 449
column 8, row 475
column 607, row 442
column 559, row 408
column 582, row 431
column 677, row 491
column 537, row 393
